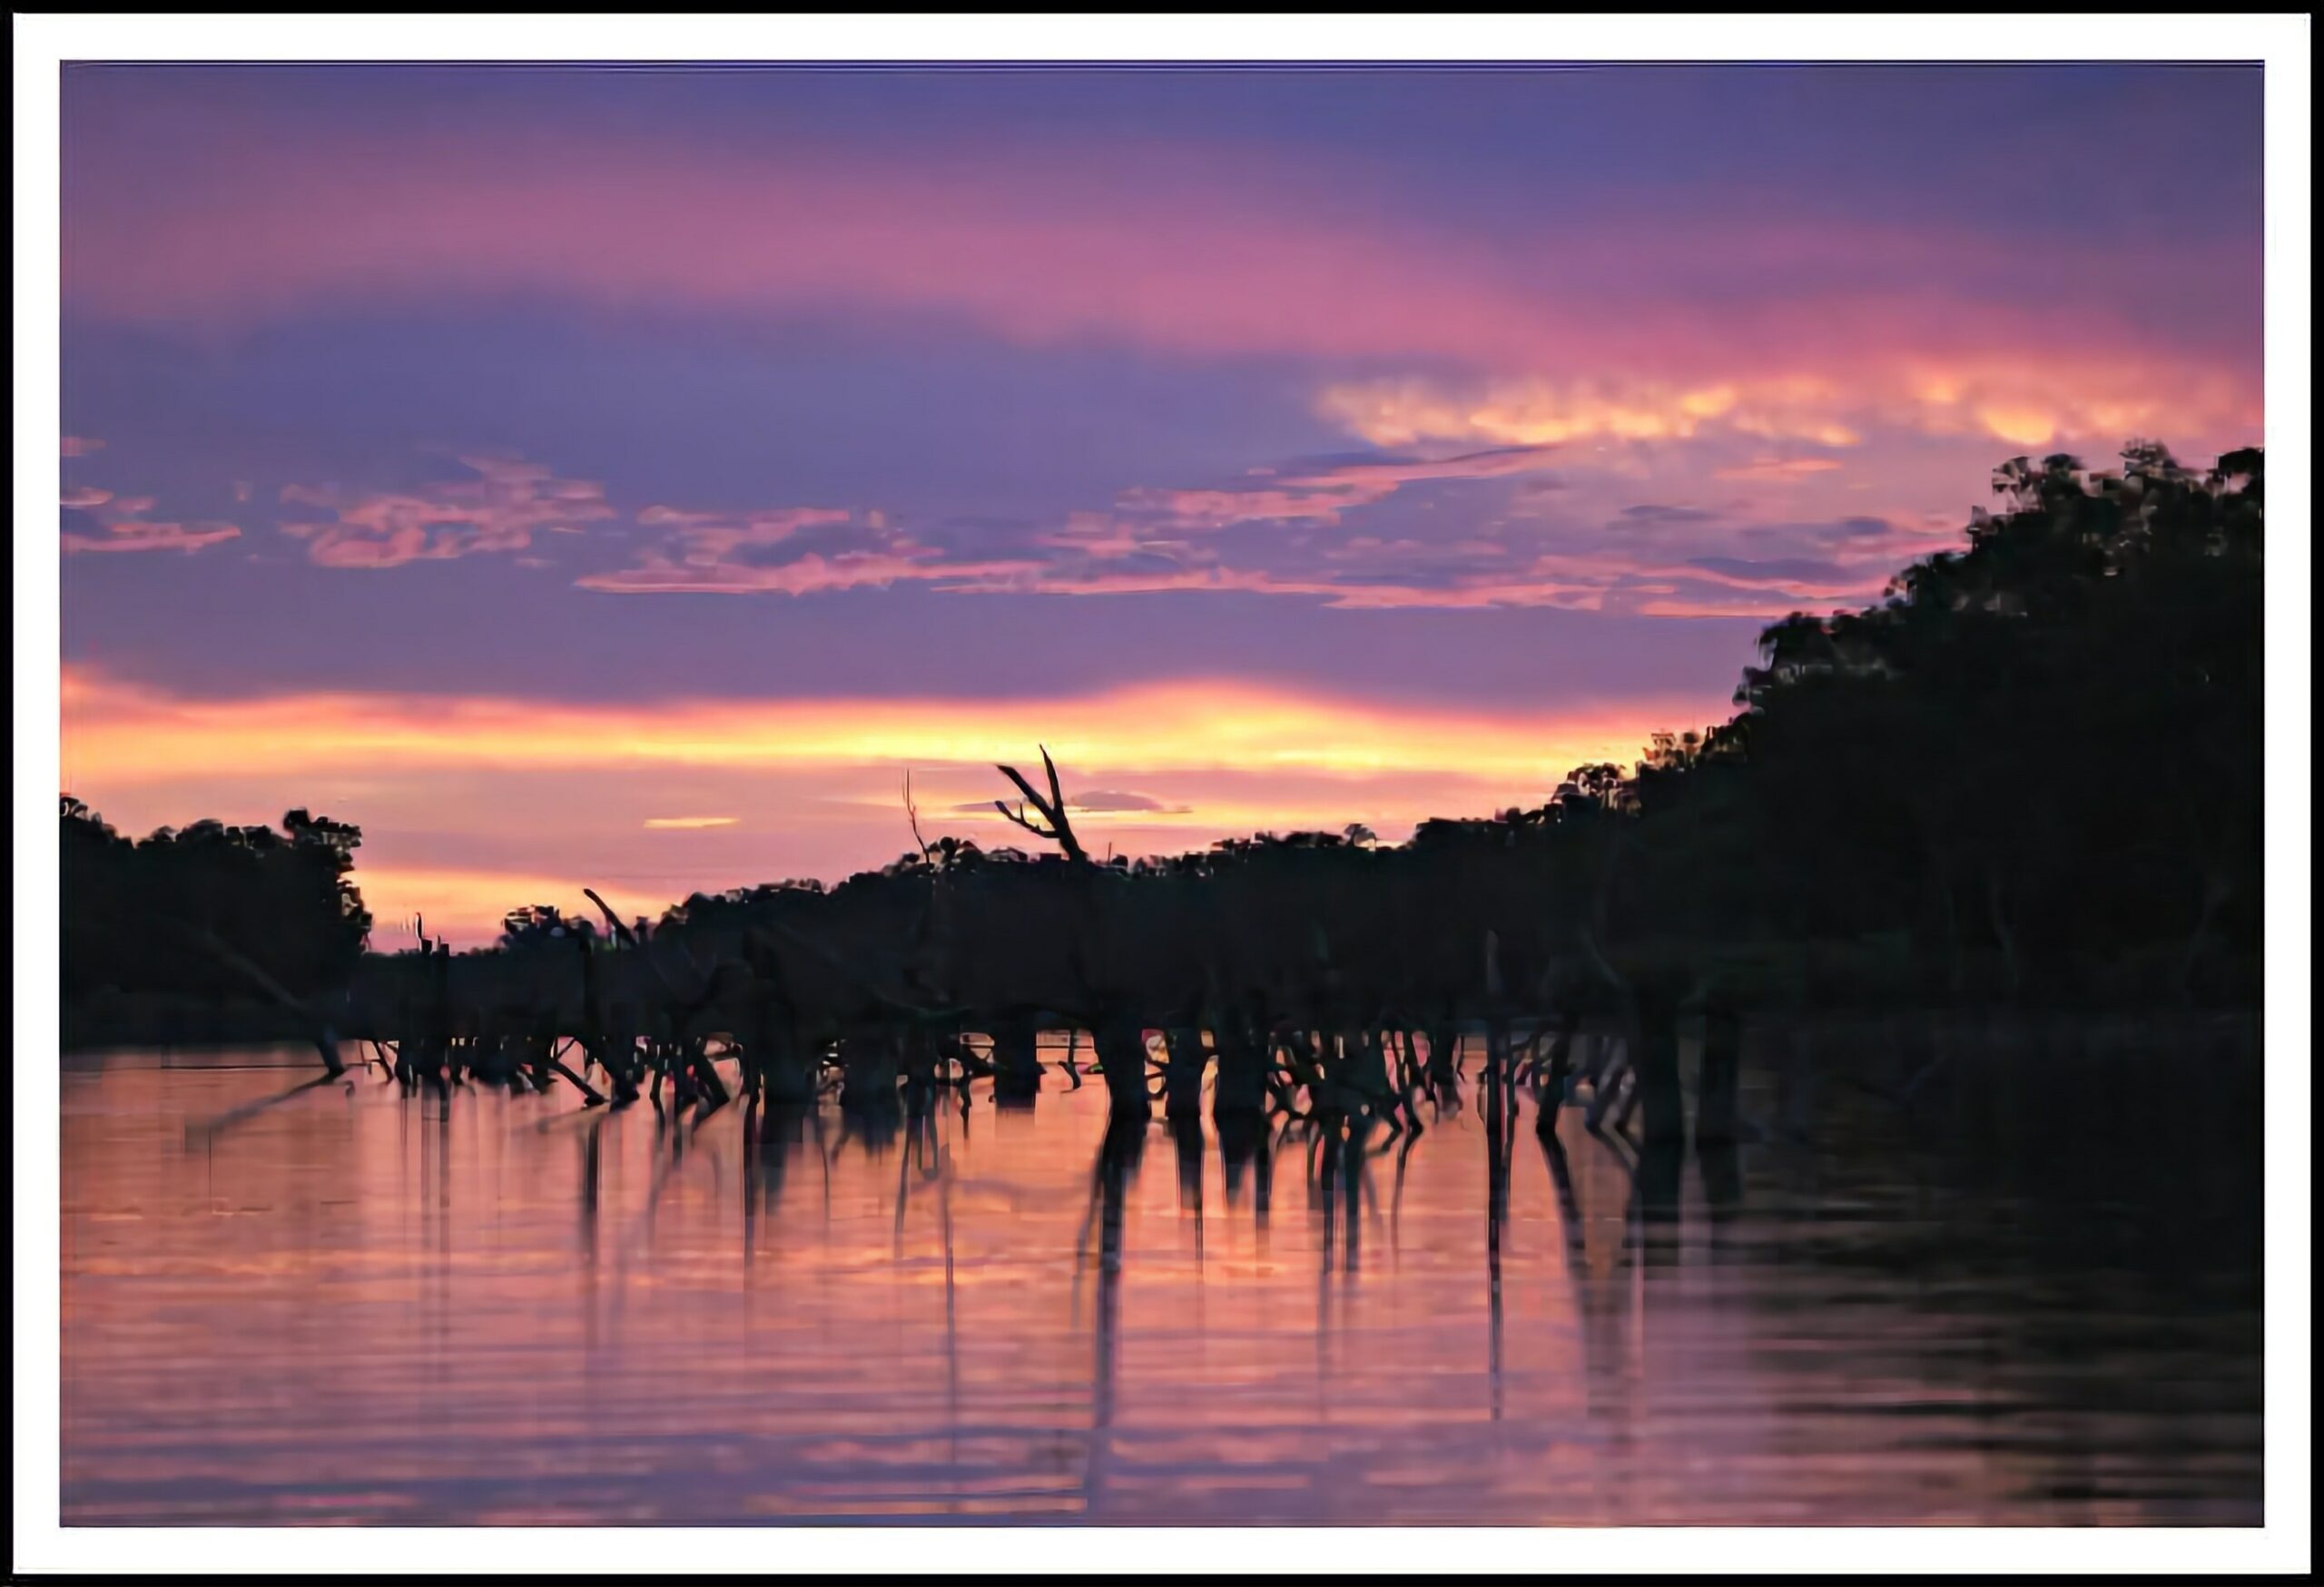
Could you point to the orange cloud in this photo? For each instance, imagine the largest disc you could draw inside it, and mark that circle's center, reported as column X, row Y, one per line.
column 1535, row 413
column 2090, row 398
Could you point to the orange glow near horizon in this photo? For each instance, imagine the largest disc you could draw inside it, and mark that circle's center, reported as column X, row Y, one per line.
column 549, row 793
column 121, row 733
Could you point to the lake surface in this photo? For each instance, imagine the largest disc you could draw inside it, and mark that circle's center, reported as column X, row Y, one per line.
column 352, row 1307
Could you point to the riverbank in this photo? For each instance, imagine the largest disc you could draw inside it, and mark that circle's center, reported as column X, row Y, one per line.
column 118, row 1020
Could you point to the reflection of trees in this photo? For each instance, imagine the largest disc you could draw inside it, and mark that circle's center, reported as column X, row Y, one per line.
column 1111, row 1183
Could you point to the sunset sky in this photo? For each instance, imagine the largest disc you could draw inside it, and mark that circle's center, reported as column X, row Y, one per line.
column 621, row 477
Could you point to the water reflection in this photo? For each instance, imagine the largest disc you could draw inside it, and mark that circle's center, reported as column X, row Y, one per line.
column 358, row 1306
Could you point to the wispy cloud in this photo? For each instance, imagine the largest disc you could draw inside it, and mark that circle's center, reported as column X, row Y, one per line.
column 724, row 561
column 1780, row 470
column 1146, row 542
column 1312, row 530
column 1095, row 802
column 499, row 510
column 687, row 823
column 97, row 520
column 1320, row 494
column 794, row 550
column 81, row 446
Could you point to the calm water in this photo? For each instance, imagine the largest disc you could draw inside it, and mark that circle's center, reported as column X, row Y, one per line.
column 352, row 1309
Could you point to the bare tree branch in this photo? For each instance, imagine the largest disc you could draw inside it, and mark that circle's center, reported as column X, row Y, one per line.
column 1052, row 809
column 1018, row 815
column 691, row 1005
column 613, row 920
column 912, row 813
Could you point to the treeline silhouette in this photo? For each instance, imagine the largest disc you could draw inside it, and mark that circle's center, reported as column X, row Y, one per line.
column 2037, row 760
column 207, row 912
column 2029, row 774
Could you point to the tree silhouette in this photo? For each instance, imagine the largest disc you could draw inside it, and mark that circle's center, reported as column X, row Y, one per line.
column 284, row 901
column 2030, row 770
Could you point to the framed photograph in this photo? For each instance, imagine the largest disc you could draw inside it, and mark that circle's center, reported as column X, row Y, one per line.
column 1400, row 793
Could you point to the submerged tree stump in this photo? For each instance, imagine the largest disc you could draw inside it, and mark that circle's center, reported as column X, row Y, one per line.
column 1717, row 1091
column 1120, row 1041
column 1443, row 1056
column 1242, row 1089
column 1182, row 1073
column 1654, row 1068
column 1016, row 1060
column 1557, row 1068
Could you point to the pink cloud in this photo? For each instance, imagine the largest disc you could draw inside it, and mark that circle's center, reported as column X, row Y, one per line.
column 1095, row 554
column 1188, row 249
column 1094, row 802
column 144, row 536
column 1486, row 588
column 501, row 510
column 808, row 575
column 1779, row 471
column 765, row 552
column 705, row 540
column 81, row 446
column 768, row 552
column 1164, row 540
column 1321, row 495
column 122, row 526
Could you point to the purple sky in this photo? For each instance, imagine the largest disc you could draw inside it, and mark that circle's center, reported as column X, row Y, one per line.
column 1284, row 448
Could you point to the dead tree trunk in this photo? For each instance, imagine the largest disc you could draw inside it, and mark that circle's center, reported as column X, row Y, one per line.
column 1121, row 1050
column 1554, row 1077
column 1182, row 1074
column 786, row 1074
column 1721, row 1078
column 1443, row 1057
column 1051, row 809
column 616, row 1058
column 1016, row 1060
column 1241, row 1088
column 1654, row 1068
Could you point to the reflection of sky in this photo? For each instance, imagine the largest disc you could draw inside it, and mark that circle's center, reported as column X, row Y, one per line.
column 1512, row 400
column 348, row 1308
